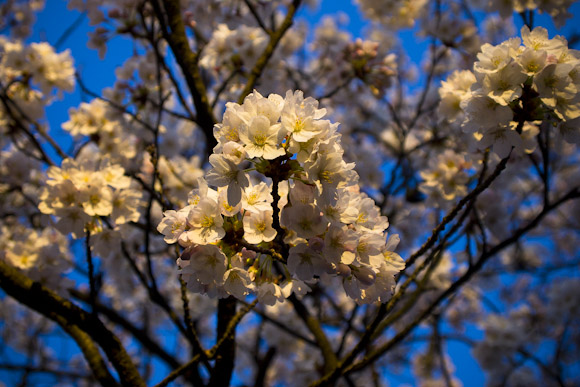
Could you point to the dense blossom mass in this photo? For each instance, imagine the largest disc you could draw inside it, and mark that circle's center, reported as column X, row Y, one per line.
column 281, row 185
column 204, row 219
column 513, row 89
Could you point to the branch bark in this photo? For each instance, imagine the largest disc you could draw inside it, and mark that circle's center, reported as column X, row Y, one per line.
column 65, row 313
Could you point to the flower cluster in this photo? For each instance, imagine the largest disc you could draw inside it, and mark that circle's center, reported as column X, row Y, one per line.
column 368, row 66
column 557, row 9
column 80, row 192
column 106, row 126
column 394, row 13
column 37, row 62
column 19, row 16
column 43, row 255
column 447, row 178
column 339, row 58
column 229, row 49
column 512, row 87
column 542, row 317
column 287, row 209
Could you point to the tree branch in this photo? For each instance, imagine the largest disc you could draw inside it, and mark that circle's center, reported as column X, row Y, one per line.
column 61, row 310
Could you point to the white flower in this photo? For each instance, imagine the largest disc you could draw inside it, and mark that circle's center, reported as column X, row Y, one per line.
column 532, row 61
column 257, row 198
column 304, row 219
column 202, row 191
column 538, row 39
column 455, row 90
column 483, row 112
column 228, row 131
column 300, row 117
column 237, row 282
column 261, row 138
column 98, row 200
column 554, row 81
column 342, row 209
column 339, row 245
column 382, row 288
column 393, row 259
column 305, row 262
column 234, row 152
column 299, row 288
column 330, row 172
column 205, row 264
column 125, row 206
column 226, row 173
column 258, row 227
column 256, row 105
column 270, row 293
column 206, row 223
column 502, row 139
column 72, row 220
column 21, row 255
column 172, row 225
column 369, row 249
column 226, row 208
column 505, row 85
column 494, row 58
column 369, row 216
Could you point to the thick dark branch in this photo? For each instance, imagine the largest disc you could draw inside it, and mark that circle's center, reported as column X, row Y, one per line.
column 138, row 333
column 61, row 310
column 225, row 356
column 90, row 352
column 174, row 33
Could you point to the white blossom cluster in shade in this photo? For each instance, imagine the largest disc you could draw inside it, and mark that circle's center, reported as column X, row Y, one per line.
column 446, row 178
column 557, row 9
column 228, row 49
column 19, row 16
column 43, row 255
column 513, row 87
column 36, row 63
column 98, row 119
column 543, row 316
column 394, row 13
column 81, row 192
column 287, row 210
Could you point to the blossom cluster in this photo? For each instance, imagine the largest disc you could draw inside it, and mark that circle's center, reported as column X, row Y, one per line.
column 394, row 13
column 367, row 65
column 43, row 255
column 19, row 16
column 339, row 58
column 80, row 192
column 286, row 210
column 447, row 178
column 557, row 9
column 37, row 62
column 541, row 317
column 512, row 88
column 106, row 126
column 229, row 49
